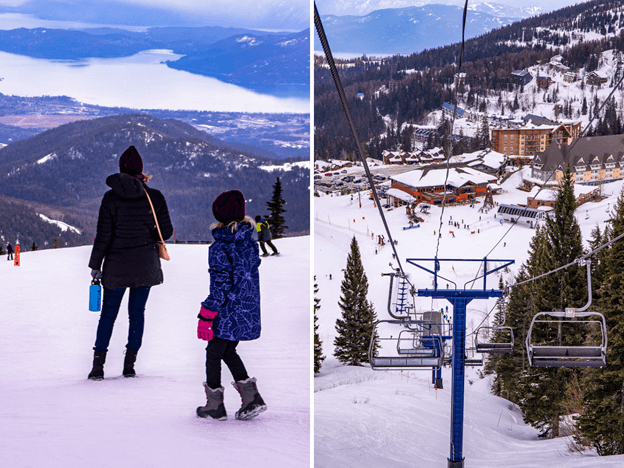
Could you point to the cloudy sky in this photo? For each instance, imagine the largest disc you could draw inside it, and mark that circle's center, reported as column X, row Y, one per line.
column 363, row 7
column 262, row 14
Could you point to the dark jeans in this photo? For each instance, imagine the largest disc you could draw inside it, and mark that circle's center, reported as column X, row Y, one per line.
column 225, row 350
column 264, row 251
column 110, row 309
column 10, row 256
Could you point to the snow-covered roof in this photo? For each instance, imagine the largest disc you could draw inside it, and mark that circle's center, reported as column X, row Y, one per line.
column 401, row 195
column 550, row 194
column 430, row 177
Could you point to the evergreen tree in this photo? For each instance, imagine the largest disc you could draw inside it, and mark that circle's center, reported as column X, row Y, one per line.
column 496, row 336
column 511, row 368
column 602, row 419
column 355, row 328
column 318, row 344
column 541, row 400
column 276, row 208
column 484, row 134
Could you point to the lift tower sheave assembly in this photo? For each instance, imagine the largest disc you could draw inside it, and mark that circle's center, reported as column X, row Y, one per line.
column 459, row 298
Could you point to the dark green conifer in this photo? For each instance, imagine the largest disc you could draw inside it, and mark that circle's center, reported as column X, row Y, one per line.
column 318, row 344
column 510, row 368
column 542, row 400
column 276, row 209
column 602, row 420
column 355, row 328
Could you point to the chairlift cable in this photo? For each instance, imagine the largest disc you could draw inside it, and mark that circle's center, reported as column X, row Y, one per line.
column 577, row 261
column 452, row 124
column 341, row 93
column 567, row 156
column 514, row 222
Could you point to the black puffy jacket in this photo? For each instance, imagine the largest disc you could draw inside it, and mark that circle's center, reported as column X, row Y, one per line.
column 126, row 234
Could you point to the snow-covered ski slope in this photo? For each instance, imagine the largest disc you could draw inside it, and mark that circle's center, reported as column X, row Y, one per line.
column 52, row 416
column 378, row 419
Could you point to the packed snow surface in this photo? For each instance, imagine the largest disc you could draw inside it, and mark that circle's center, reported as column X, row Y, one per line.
column 380, row 419
column 52, row 416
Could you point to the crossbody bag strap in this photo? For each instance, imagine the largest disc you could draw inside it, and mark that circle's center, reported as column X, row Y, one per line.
column 155, row 218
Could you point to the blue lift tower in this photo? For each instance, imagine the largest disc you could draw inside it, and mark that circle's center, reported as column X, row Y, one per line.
column 459, row 298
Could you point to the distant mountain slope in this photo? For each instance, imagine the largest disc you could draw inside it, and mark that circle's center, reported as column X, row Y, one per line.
column 404, row 30
column 267, row 62
column 254, row 60
column 503, row 8
column 69, row 44
column 66, row 167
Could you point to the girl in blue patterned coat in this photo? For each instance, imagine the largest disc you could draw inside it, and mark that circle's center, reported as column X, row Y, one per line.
column 231, row 312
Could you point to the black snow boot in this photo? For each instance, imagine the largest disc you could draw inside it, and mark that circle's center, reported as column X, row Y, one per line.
column 128, row 370
column 214, row 408
column 97, row 373
column 253, row 404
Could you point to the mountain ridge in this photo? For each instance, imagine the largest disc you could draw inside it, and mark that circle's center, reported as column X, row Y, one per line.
column 65, row 168
column 404, row 30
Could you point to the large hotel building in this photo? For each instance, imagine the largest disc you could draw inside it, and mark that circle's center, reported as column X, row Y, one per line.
column 531, row 139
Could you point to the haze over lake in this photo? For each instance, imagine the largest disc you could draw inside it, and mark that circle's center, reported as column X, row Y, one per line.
column 141, row 81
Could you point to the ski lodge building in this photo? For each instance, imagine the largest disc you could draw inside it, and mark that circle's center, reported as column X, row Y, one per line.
column 592, row 160
column 434, row 155
column 531, row 139
column 427, row 184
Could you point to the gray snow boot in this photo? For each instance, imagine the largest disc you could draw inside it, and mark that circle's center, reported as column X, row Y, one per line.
column 253, row 404
column 129, row 360
column 97, row 373
column 214, row 405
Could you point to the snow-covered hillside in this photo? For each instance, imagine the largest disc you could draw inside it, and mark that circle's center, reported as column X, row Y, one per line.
column 52, row 416
column 365, row 418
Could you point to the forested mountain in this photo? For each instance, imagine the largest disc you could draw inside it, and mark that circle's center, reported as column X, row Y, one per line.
column 407, row 88
column 65, row 168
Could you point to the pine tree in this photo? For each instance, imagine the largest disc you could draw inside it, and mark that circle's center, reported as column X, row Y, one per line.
column 541, row 400
column 318, row 344
column 484, row 134
column 276, row 208
column 602, row 420
column 511, row 368
column 496, row 336
column 355, row 328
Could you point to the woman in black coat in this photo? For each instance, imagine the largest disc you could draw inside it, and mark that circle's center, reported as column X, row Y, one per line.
column 126, row 242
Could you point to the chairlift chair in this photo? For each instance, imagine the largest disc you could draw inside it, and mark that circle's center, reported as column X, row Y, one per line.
column 470, row 360
column 505, row 346
column 579, row 355
column 405, row 345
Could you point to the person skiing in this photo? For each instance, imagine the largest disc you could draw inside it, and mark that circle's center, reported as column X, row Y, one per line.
column 9, row 251
column 265, row 236
column 231, row 312
column 125, row 242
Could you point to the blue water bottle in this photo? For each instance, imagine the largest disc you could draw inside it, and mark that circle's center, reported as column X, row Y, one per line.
column 95, row 296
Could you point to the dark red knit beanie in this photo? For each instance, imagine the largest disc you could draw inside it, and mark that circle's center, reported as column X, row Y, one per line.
column 229, row 206
column 130, row 162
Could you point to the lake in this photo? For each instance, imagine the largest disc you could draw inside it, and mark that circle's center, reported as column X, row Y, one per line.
column 141, row 81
